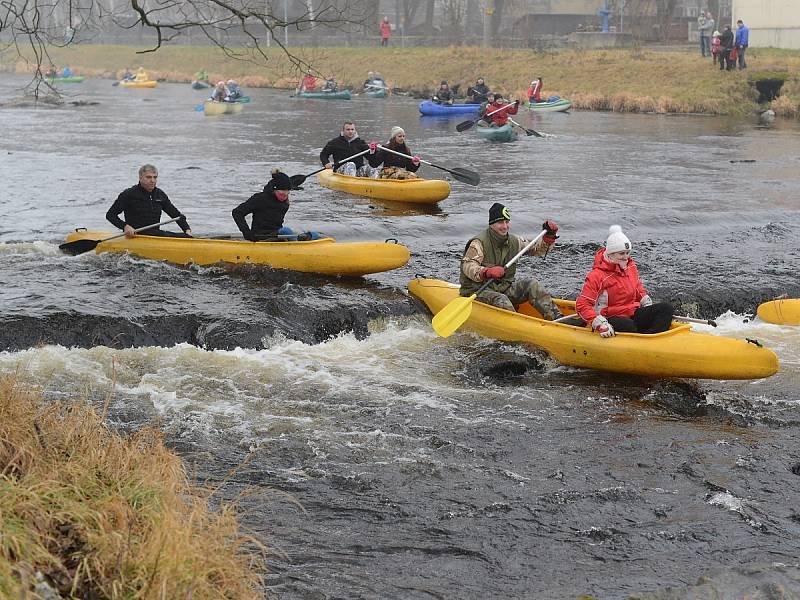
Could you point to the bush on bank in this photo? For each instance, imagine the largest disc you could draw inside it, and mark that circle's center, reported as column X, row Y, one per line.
column 626, row 80
column 91, row 514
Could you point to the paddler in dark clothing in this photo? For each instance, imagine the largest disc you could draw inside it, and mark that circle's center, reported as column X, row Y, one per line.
column 142, row 205
column 344, row 146
column 485, row 256
column 268, row 209
column 478, row 92
column 444, row 95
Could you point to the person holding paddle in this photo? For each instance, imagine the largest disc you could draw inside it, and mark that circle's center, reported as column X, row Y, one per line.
column 345, row 146
column 496, row 117
column 268, row 208
column 394, row 166
column 142, row 205
column 484, row 257
column 613, row 298
column 444, row 95
column 477, row 93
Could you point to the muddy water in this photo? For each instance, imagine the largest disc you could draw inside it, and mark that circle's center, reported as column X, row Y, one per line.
column 380, row 460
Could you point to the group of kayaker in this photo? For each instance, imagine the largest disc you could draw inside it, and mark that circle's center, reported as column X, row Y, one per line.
column 613, row 298
column 346, row 153
column 309, row 84
column 226, row 92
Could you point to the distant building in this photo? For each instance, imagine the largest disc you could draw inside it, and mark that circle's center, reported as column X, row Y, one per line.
column 772, row 23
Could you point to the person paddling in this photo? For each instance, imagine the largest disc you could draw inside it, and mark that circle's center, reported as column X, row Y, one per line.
column 344, row 146
column 484, row 257
column 268, row 208
column 500, row 117
column 142, row 205
column 613, row 298
column 444, row 95
column 478, row 92
column 535, row 91
column 394, row 167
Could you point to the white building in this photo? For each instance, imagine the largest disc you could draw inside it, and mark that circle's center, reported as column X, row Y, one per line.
column 772, row 23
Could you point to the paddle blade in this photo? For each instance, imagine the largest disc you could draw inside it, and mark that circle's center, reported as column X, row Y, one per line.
column 464, row 125
column 297, row 180
column 447, row 321
column 78, row 246
column 466, row 176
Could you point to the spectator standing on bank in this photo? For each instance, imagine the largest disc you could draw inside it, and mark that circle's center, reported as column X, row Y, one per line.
column 386, row 31
column 705, row 27
column 725, row 48
column 741, row 42
column 711, row 24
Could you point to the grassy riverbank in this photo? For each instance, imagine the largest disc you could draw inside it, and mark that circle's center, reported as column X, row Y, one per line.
column 97, row 515
column 625, row 80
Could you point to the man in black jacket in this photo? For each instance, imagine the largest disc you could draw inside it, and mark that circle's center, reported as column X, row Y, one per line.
column 344, row 146
column 143, row 204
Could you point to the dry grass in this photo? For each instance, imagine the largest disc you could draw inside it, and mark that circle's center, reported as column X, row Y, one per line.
column 635, row 79
column 102, row 516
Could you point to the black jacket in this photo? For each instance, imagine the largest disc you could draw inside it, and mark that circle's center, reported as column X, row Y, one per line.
column 392, row 160
column 726, row 40
column 268, row 214
column 443, row 96
column 143, row 208
column 340, row 148
column 478, row 93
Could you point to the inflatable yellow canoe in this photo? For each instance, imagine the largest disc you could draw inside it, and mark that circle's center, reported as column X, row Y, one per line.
column 414, row 191
column 781, row 312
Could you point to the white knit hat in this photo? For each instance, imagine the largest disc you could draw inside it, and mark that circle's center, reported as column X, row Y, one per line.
column 396, row 130
column 617, row 241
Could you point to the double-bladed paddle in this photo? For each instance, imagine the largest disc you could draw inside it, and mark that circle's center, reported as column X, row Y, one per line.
column 451, row 317
column 693, row 320
column 81, row 246
column 525, row 129
column 462, row 175
column 464, row 125
column 298, row 180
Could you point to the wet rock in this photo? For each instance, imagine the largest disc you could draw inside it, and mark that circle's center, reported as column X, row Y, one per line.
column 683, row 399
column 767, row 117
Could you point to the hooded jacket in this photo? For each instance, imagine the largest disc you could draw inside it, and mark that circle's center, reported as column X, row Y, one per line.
column 268, row 213
column 610, row 290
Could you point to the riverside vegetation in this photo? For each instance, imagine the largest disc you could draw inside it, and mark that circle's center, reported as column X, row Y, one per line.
column 88, row 513
column 624, row 80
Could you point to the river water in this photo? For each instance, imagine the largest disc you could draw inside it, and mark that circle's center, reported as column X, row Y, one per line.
column 375, row 459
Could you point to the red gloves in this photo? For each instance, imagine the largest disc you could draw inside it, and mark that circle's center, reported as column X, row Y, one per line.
column 415, row 160
column 373, row 146
column 494, row 272
column 551, row 228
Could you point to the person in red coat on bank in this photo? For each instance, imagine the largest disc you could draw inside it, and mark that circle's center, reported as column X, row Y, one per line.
column 613, row 298
column 386, row 31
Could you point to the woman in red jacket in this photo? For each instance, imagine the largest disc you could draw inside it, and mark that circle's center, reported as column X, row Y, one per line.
column 613, row 298
column 500, row 117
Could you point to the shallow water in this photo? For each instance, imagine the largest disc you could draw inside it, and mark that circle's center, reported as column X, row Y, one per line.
column 425, row 467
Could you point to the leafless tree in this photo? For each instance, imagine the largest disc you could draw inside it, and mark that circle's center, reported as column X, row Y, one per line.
column 36, row 26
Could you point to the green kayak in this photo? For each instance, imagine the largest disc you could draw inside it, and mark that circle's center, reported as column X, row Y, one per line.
column 70, row 79
column 341, row 95
column 379, row 93
column 505, row 133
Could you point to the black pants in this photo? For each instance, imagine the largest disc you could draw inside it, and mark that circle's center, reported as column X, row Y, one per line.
column 160, row 233
column 647, row 319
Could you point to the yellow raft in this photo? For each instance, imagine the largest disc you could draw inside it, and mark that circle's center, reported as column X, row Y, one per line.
column 212, row 108
column 781, row 312
column 415, row 191
column 325, row 256
column 679, row 352
column 146, row 83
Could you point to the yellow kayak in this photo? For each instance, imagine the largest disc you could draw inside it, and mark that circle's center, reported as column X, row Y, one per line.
column 781, row 312
column 149, row 83
column 212, row 108
column 325, row 256
column 679, row 352
column 416, row 191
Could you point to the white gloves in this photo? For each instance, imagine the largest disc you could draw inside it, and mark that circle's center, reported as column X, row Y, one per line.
column 646, row 300
column 602, row 326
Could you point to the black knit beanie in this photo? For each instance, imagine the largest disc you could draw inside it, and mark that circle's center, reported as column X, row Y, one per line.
column 498, row 212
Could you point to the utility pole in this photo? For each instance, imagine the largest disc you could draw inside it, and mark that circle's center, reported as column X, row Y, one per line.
column 488, row 11
column 285, row 26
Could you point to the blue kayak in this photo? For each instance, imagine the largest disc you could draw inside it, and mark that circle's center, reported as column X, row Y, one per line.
column 431, row 108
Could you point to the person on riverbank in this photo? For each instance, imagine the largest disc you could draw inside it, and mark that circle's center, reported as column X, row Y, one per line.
column 477, row 93
column 710, row 25
column 143, row 204
column 726, row 47
column 444, row 95
column 485, row 256
column 535, row 91
column 386, row 31
column 344, row 146
column 741, row 41
column 704, row 29
column 715, row 53
column 392, row 165
column 268, row 208
column 500, row 117
column 613, row 298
